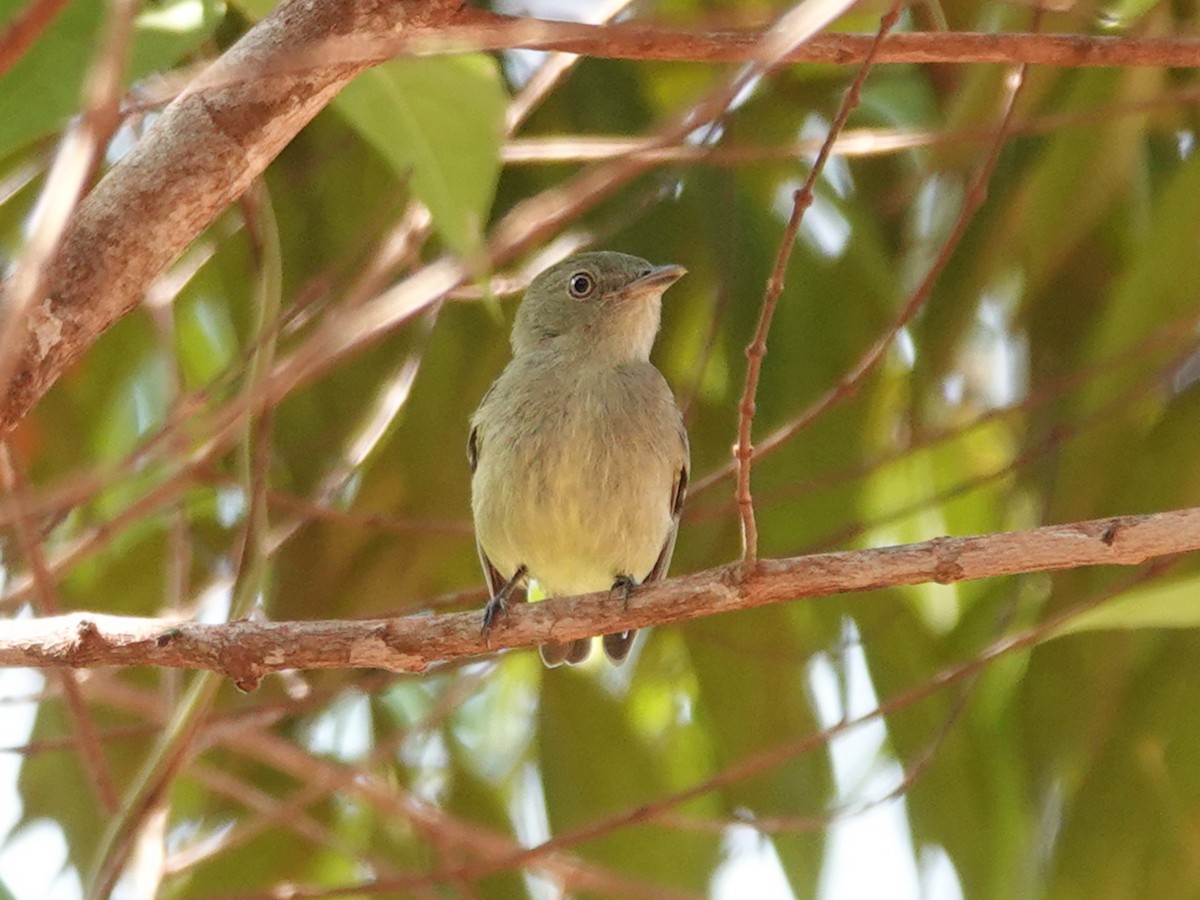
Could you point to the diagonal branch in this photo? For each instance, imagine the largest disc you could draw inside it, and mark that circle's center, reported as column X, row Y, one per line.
column 743, row 451
column 245, row 650
column 200, row 155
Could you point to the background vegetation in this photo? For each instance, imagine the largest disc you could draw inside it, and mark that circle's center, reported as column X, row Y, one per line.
column 1051, row 376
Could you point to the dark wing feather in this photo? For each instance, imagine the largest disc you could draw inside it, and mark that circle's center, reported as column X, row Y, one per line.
column 678, row 495
column 473, row 449
column 663, row 563
column 495, row 580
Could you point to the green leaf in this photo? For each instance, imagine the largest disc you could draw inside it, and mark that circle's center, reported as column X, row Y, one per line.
column 1126, row 829
column 750, row 672
column 1171, row 604
column 472, row 799
column 43, row 89
column 442, row 119
column 581, row 731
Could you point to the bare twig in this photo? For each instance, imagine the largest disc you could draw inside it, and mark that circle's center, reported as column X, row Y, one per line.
column 45, row 602
column 634, row 40
column 1177, row 336
column 477, row 29
column 743, row 452
column 246, row 650
column 21, row 33
column 850, row 383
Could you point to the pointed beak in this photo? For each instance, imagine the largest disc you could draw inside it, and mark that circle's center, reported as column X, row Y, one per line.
column 658, row 279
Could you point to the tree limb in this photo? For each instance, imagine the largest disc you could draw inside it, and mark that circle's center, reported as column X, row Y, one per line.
column 197, row 158
column 245, row 650
column 633, row 40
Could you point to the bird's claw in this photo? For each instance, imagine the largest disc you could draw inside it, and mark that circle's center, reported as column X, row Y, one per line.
column 624, row 584
column 495, row 606
column 499, row 603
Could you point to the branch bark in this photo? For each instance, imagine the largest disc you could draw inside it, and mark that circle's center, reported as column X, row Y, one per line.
column 202, row 153
column 648, row 42
column 246, row 651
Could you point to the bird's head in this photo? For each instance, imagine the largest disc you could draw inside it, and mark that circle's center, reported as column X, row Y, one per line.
column 602, row 305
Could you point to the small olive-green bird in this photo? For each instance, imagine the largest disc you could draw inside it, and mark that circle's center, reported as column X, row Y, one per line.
column 578, row 452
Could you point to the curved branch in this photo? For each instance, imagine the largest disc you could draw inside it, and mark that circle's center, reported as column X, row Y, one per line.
column 199, row 156
column 245, row 651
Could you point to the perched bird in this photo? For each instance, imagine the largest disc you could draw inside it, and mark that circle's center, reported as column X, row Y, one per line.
column 578, row 452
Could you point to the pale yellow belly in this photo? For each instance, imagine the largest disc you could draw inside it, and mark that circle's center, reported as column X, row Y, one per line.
column 577, row 528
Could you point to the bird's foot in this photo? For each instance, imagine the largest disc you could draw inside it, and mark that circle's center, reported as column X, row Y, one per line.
column 623, row 586
column 498, row 603
column 616, row 646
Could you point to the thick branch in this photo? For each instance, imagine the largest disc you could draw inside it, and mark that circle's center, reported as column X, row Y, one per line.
column 245, row 651
column 198, row 157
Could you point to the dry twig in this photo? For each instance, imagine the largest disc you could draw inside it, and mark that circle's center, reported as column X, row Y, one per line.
column 246, row 651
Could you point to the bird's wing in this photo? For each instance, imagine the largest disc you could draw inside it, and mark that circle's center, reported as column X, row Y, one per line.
column 495, row 580
column 678, row 494
column 473, row 449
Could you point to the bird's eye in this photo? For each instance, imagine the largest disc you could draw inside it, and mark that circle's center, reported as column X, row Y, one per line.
column 581, row 285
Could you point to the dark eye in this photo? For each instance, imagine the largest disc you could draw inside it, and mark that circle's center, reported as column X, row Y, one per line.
column 581, row 285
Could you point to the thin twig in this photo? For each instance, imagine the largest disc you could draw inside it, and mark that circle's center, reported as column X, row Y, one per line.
column 21, row 33
column 743, row 451
column 477, row 29
column 45, row 601
column 850, row 383
column 1177, row 336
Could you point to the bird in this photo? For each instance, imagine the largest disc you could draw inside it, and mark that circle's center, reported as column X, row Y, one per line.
column 578, row 452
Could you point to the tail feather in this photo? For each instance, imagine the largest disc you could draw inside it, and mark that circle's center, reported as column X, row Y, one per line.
column 555, row 653
column 617, row 645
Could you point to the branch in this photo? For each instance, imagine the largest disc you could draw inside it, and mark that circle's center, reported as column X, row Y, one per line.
column 199, row 156
column 245, row 651
column 477, row 29
column 743, row 451
column 648, row 42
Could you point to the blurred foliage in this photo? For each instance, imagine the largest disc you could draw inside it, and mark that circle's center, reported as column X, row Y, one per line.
column 1053, row 375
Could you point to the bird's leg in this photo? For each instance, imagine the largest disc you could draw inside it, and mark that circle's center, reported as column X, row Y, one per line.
column 499, row 602
column 625, row 585
column 616, row 645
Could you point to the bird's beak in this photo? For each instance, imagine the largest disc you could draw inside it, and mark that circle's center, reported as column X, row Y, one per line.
column 658, row 279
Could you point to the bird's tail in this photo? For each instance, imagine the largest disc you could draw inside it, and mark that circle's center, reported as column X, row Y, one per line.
column 616, row 646
column 555, row 653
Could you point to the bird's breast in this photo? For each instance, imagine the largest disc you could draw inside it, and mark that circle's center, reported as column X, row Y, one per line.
column 579, row 485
